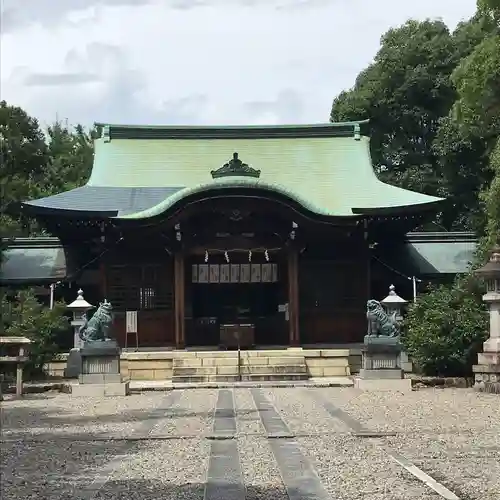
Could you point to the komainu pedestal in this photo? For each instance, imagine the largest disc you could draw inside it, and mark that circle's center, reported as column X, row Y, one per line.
column 100, row 373
column 381, row 365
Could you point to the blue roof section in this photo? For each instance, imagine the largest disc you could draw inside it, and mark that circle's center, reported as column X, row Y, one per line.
column 112, row 201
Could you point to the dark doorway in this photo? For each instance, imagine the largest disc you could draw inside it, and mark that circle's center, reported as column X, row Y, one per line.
column 210, row 305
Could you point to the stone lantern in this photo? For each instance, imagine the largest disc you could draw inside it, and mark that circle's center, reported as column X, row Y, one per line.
column 487, row 371
column 394, row 304
column 79, row 307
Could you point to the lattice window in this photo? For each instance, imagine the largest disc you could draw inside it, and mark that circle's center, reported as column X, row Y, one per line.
column 140, row 287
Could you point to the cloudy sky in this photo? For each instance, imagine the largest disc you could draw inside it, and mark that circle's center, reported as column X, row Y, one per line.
column 194, row 61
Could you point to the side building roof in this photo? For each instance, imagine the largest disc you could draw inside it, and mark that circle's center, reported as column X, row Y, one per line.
column 143, row 171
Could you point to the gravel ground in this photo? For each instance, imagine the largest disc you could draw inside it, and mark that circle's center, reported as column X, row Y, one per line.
column 260, row 471
column 452, row 434
column 469, row 469
column 352, row 469
column 426, row 410
column 52, row 470
column 303, row 415
column 191, row 416
column 166, row 470
column 63, row 415
column 247, row 418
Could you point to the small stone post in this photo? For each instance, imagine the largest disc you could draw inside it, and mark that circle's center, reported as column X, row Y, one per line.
column 79, row 307
column 487, row 370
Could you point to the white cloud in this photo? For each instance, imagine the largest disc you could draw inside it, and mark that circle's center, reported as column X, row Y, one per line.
column 195, row 61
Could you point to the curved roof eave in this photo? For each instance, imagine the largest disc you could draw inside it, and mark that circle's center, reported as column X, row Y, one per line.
column 254, row 183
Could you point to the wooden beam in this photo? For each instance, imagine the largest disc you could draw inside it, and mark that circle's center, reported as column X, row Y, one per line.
column 179, row 300
column 293, row 296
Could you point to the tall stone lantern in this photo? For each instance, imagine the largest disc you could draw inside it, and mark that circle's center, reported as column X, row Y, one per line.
column 487, row 370
column 79, row 307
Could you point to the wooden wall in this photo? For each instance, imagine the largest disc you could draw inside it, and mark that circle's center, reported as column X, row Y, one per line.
column 144, row 285
column 333, row 294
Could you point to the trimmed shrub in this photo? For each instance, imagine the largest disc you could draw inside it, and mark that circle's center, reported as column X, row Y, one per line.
column 445, row 329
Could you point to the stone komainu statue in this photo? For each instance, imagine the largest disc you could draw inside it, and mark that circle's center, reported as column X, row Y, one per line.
column 97, row 328
column 380, row 324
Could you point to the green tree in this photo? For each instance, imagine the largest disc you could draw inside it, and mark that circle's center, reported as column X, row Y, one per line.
column 70, row 154
column 27, row 317
column 23, row 160
column 476, row 112
column 446, row 328
column 407, row 93
column 490, row 8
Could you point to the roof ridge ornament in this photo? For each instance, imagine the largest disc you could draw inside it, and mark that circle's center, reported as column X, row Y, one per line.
column 235, row 167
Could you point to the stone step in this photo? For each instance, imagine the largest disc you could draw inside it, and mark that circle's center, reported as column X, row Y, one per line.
column 256, row 377
column 233, row 370
column 272, row 361
column 188, row 371
column 260, row 377
column 276, row 369
column 192, row 362
column 204, row 378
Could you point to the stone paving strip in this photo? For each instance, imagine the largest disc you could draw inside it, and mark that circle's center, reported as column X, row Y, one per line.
column 299, row 476
column 359, row 428
column 224, row 476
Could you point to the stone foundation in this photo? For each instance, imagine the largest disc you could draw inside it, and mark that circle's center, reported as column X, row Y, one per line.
column 158, row 366
column 100, row 390
column 487, row 372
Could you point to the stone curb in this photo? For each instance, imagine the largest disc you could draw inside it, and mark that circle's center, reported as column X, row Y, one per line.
column 442, row 382
column 66, row 387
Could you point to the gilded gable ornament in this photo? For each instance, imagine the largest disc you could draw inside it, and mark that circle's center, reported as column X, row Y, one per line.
column 235, row 167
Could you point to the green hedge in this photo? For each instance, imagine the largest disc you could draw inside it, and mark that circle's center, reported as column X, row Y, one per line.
column 445, row 329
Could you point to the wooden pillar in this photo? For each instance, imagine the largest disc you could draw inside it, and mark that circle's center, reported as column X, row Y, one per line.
column 293, row 296
column 179, row 300
column 103, row 276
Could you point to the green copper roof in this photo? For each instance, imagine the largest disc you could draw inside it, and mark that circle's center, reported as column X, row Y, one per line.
column 33, row 260
column 326, row 169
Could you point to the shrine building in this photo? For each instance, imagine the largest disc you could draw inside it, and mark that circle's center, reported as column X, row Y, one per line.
column 280, row 232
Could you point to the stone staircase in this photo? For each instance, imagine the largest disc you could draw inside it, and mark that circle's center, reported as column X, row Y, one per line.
column 255, row 366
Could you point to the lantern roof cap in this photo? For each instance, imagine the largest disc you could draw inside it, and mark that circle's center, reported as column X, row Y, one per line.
column 492, row 268
column 80, row 303
column 393, row 297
